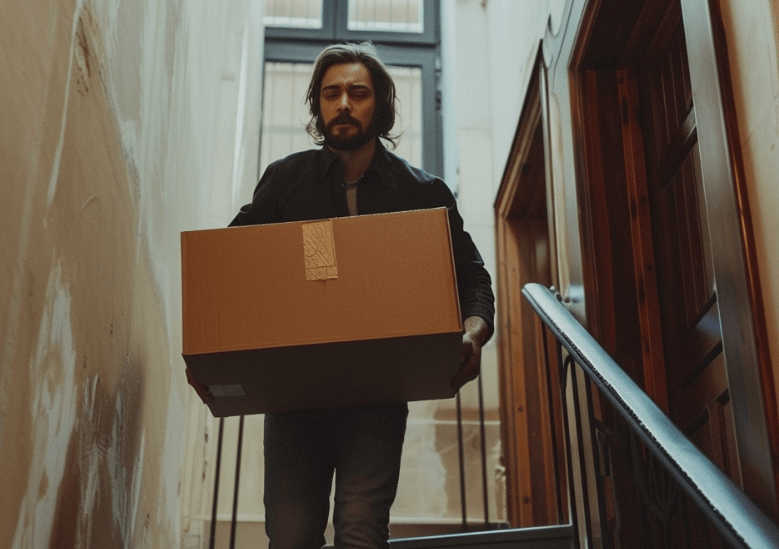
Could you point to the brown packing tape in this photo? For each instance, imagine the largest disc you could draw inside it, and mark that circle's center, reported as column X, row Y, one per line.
column 319, row 250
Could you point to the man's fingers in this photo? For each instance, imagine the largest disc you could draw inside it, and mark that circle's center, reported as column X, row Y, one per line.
column 469, row 367
column 463, row 377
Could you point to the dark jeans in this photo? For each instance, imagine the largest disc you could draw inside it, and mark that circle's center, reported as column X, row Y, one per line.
column 362, row 445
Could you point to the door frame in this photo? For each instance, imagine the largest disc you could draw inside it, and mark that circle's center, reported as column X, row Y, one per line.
column 533, row 449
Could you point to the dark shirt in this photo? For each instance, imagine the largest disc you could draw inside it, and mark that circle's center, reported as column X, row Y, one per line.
column 310, row 185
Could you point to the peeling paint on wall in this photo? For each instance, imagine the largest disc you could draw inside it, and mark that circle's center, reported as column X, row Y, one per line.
column 53, row 409
column 77, row 37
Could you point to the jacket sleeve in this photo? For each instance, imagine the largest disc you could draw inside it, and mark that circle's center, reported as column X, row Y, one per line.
column 263, row 207
column 473, row 281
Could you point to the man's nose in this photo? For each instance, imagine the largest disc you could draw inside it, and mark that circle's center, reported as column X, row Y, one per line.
column 343, row 104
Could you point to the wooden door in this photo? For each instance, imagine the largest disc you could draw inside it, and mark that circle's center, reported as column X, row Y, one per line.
column 667, row 231
column 694, row 365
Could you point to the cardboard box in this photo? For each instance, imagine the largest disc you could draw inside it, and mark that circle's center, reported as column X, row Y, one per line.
column 345, row 311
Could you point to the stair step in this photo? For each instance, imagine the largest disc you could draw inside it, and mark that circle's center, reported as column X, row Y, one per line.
column 545, row 537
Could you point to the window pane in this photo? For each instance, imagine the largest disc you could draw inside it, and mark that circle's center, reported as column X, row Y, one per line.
column 408, row 87
column 296, row 14
column 386, row 15
column 285, row 114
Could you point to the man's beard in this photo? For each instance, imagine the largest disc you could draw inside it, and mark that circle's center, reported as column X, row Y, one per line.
column 352, row 142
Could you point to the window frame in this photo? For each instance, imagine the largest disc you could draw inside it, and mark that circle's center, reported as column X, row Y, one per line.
column 335, row 16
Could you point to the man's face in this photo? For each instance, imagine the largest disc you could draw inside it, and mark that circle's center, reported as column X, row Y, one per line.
column 347, row 103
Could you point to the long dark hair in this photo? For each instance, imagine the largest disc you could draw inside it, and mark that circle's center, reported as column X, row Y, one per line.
column 384, row 88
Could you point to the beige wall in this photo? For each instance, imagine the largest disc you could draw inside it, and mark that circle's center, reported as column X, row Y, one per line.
column 117, row 119
column 751, row 27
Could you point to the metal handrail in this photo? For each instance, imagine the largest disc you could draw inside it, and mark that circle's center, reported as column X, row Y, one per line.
column 734, row 515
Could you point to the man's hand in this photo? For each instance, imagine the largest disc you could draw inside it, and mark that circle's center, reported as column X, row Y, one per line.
column 202, row 390
column 475, row 334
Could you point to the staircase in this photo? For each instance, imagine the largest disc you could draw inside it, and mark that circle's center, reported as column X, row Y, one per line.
column 547, row 537
column 251, row 533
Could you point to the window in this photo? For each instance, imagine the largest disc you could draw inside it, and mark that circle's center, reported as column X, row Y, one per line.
column 399, row 16
column 293, row 15
column 405, row 33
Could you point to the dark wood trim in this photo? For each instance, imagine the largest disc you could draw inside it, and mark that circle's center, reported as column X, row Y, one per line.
column 760, row 331
column 652, row 353
column 740, row 297
column 598, row 270
column 530, row 433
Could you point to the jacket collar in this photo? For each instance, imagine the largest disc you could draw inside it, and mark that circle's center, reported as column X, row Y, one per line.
column 380, row 164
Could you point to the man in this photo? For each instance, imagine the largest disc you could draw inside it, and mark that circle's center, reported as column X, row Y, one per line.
column 352, row 102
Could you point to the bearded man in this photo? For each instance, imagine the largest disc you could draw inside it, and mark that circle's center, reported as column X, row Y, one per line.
column 352, row 103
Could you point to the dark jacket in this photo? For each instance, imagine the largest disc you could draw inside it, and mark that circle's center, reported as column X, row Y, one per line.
column 310, row 185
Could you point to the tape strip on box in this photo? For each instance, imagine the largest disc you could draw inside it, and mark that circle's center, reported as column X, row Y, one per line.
column 319, row 250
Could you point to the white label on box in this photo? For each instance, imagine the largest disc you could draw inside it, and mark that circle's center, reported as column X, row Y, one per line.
column 227, row 390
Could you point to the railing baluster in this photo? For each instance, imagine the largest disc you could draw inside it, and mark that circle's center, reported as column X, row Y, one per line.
column 483, row 436
column 563, row 369
column 218, row 467
column 553, row 425
column 580, row 449
column 234, row 522
column 461, row 456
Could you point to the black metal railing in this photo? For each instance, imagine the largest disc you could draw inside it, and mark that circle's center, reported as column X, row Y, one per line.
column 634, row 479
